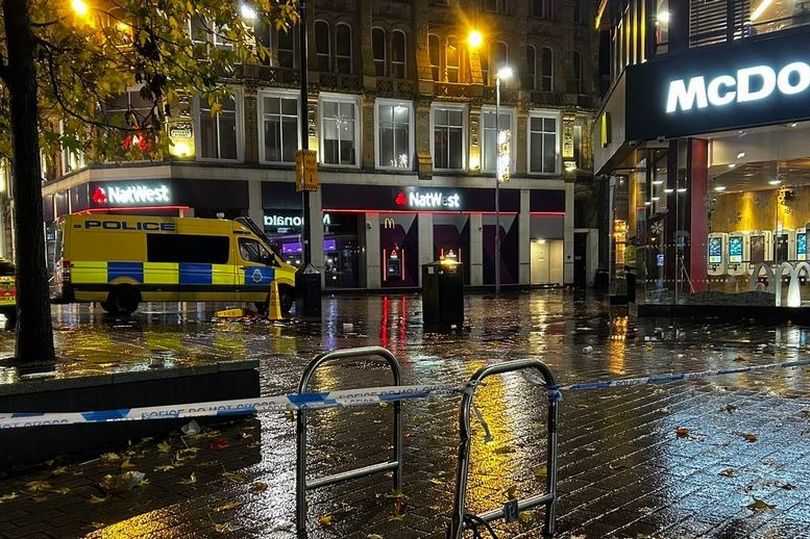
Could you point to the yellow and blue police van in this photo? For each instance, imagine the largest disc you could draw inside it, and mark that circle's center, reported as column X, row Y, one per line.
column 123, row 260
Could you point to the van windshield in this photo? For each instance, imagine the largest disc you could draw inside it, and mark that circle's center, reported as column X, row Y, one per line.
column 6, row 267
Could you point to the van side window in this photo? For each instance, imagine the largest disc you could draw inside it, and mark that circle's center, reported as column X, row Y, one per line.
column 190, row 248
column 253, row 251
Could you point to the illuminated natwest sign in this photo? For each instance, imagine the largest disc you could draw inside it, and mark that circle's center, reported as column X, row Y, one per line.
column 429, row 200
column 131, row 194
column 748, row 84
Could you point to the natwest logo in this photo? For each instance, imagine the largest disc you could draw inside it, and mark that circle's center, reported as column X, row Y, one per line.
column 428, row 200
column 746, row 85
column 131, row 194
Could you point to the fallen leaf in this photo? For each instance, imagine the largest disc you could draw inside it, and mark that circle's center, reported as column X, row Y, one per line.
column 222, row 528
column 582, row 406
column 511, row 492
column 190, row 481
column 186, row 454
column 110, row 457
column 40, row 499
column 730, row 408
column 437, row 481
column 525, row 518
column 96, row 499
column 38, row 486
column 97, row 525
column 258, row 487
column 739, row 359
column 504, row 450
column 227, row 506
column 325, row 520
column 682, row 432
column 219, row 443
column 61, row 470
column 540, row 472
column 750, row 438
column 61, row 490
column 164, row 447
column 166, row 468
column 9, row 496
column 374, row 536
column 126, row 464
column 759, row 505
column 234, row 477
column 729, row 472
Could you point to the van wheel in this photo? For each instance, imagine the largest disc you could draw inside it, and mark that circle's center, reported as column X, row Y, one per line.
column 286, row 298
column 122, row 299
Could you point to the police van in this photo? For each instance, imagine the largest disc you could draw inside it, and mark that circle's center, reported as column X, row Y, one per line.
column 121, row 261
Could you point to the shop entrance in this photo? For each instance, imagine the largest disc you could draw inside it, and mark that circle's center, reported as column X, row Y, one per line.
column 547, row 262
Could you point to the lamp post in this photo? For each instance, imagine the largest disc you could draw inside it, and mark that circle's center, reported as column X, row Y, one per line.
column 503, row 73
column 308, row 277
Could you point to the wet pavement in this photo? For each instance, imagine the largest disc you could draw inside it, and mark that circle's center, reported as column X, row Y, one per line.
column 726, row 457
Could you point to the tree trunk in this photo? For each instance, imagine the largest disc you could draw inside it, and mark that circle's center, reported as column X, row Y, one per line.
column 34, row 330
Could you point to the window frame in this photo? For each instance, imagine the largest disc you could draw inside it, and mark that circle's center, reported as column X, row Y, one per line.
column 239, row 126
column 551, row 66
column 576, row 71
column 543, row 113
column 512, row 111
column 339, row 57
column 411, row 138
column 457, row 66
column 283, row 94
column 438, row 66
column 320, row 55
column 531, row 67
column 274, row 52
column 404, row 62
column 464, row 134
column 384, row 60
column 340, row 98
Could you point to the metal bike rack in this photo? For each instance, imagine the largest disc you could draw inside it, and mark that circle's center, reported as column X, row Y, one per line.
column 373, row 353
column 460, row 520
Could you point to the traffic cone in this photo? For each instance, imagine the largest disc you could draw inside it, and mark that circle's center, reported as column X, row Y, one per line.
column 274, row 306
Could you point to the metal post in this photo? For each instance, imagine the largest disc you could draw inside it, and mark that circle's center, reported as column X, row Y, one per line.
column 497, row 188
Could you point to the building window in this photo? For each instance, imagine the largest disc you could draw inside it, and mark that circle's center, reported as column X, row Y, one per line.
column 501, row 55
column 394, row 134
column 398, row 51
column 435, row 55
column 531, row 63
column 286, row 48
column 218, row 135
column 199, row 37
column 489, row 137
column 448, row 138
column 546, row 69
column 262, row 32
column 323, row 38
column 130, row 109
column 576, row 72
column 452, row 60
column 499, row 6
column 339, row 128
column 484, row 57
column 543, row 143
column 378, row 50
column 543, row 9
column 578, row 12
column 343, row 48
column 279, row 129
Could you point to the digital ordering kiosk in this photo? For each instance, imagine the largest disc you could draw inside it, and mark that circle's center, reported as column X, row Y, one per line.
column 717, row 245
column 760, row 247
column 801, row 244
column 784, row 245
column 737, row 252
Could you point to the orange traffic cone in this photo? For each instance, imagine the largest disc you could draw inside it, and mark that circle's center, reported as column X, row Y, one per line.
column 274, row 306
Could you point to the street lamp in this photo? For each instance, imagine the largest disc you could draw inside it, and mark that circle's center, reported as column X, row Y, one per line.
column 503, row 73
column 475, row 39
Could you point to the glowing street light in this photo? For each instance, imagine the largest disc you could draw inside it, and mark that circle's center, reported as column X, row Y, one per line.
column 247, row 12
column 475, row 39
column 79, row 7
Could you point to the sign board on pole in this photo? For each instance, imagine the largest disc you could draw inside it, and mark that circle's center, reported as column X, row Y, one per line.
column 504, row 155
column 306, row 170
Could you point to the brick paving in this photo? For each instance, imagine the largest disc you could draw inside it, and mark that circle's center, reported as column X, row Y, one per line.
column 741, row 470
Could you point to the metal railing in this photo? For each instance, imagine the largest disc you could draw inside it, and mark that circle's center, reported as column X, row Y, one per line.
column 373, row 353
column 460, row 519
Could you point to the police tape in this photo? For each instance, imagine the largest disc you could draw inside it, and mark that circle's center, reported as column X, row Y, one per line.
column 666, row 378
column 278, row 403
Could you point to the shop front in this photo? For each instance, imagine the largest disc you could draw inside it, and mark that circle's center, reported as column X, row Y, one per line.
column 708, row 157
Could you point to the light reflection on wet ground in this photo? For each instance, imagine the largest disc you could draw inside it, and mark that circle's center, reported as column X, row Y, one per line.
column 623, row 469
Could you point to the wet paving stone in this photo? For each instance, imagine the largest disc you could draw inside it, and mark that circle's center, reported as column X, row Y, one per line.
column 624, row 471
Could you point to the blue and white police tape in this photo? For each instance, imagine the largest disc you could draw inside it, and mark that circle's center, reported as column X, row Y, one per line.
column 278, row 403
column 666, row 378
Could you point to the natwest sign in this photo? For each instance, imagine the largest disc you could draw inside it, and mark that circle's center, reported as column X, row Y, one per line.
column 428, row 200
column 131, row 194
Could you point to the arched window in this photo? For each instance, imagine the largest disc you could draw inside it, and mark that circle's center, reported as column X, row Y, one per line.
column 434, row 49
column 286, row 48
column 483, row 56
column 322, row 45
column 398, row 52
column 547, row 69
column 452, row 59
column 378, row 50
column 576, row 72
column 343, row 48
column 531, row 57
